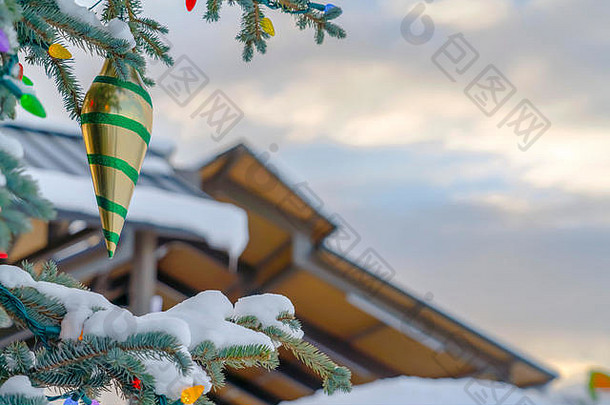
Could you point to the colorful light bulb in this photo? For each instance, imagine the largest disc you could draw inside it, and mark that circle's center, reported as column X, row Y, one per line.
column 31, row 104
column 329, row 7
column 3, row 255
column 137, row 383
column 191, row 394
column 598, row 381
column 17, row 71
column 267, row 26
column 5, row 45
column 70, row 401
column 26, row 80
column 190, row 4
column 58, row 51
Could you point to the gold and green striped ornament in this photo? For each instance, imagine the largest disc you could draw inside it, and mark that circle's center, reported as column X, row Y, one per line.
column 116, row 122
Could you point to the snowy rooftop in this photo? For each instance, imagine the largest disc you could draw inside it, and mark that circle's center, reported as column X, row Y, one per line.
column 162, row 199
column 448, row 391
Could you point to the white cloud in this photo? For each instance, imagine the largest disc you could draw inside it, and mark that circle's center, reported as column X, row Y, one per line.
column 505, row 202
column 470, row 15
column 461, row 15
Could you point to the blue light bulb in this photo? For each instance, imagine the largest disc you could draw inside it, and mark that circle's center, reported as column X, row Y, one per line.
column 329, row 7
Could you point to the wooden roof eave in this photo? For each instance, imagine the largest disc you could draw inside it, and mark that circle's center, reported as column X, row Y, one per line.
column 383, row 298
column 319, row 226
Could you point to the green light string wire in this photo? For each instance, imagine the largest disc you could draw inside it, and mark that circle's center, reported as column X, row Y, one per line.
column 74, row 395
column 43, row 332
column 6, row 69
column 274, row 5
column 162, row 399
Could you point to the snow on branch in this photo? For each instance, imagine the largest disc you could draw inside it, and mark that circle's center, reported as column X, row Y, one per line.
column 175, row 355
column 119, row 30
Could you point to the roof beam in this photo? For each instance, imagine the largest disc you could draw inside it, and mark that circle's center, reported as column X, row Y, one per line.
column 273, row 213
column 92, row 262
column 305, row 258
column 352, row 358
column 59, row 244
column 252, row 389
column 274, row 254
column 233, row 392
column 22, row 334
column 219, row 256
column 144, row 273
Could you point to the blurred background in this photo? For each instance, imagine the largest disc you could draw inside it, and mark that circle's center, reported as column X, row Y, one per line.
column 402, row 153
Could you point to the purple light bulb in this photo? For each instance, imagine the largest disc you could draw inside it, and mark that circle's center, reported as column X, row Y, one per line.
column 5, row 45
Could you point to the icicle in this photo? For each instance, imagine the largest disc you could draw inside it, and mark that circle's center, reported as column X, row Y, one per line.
column 233, row 262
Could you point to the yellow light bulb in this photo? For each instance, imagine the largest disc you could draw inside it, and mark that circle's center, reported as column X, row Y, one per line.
column 58, row 51
column 190, row 395
column 267, row 26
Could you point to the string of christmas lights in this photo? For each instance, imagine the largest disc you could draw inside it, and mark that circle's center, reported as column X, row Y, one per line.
column 44, row 333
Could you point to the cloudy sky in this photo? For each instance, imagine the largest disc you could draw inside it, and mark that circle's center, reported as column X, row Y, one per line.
column 514, row 242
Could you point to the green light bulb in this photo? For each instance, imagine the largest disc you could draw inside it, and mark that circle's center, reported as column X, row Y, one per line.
column 30, row 103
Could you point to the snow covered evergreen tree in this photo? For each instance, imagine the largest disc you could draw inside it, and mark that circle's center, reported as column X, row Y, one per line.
column 117, row 30
column 87, row 345
column 20, row 200
column 171, row 357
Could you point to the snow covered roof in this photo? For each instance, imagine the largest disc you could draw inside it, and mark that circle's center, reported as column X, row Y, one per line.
column 390, row 330
column 436, row 326
column 65, row 152
column 446, row 391
column 295, row 200
column 161, row 200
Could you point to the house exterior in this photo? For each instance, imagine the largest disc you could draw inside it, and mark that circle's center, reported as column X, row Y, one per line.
column 350, row 309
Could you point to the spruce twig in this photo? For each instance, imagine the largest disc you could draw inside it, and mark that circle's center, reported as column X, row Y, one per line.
column 333, row 376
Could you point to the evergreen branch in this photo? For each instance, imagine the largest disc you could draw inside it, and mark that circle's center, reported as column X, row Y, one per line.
column 22, row 400
column 213, row 11
column 214, row 361
column 248, row 356
column 158, row 345
column 334, row 377
column 81, row 34
column 113, row 9
column 91, row 363
column 288, row 319
column 40, row 23
column 16, row 359
column 124, row 370
column 204, row 400
column 20, row 199
column 51, row 274
column 68, row 353
column 38, row 307
column 65, row 80
column 205, row 354
column 37, row 35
